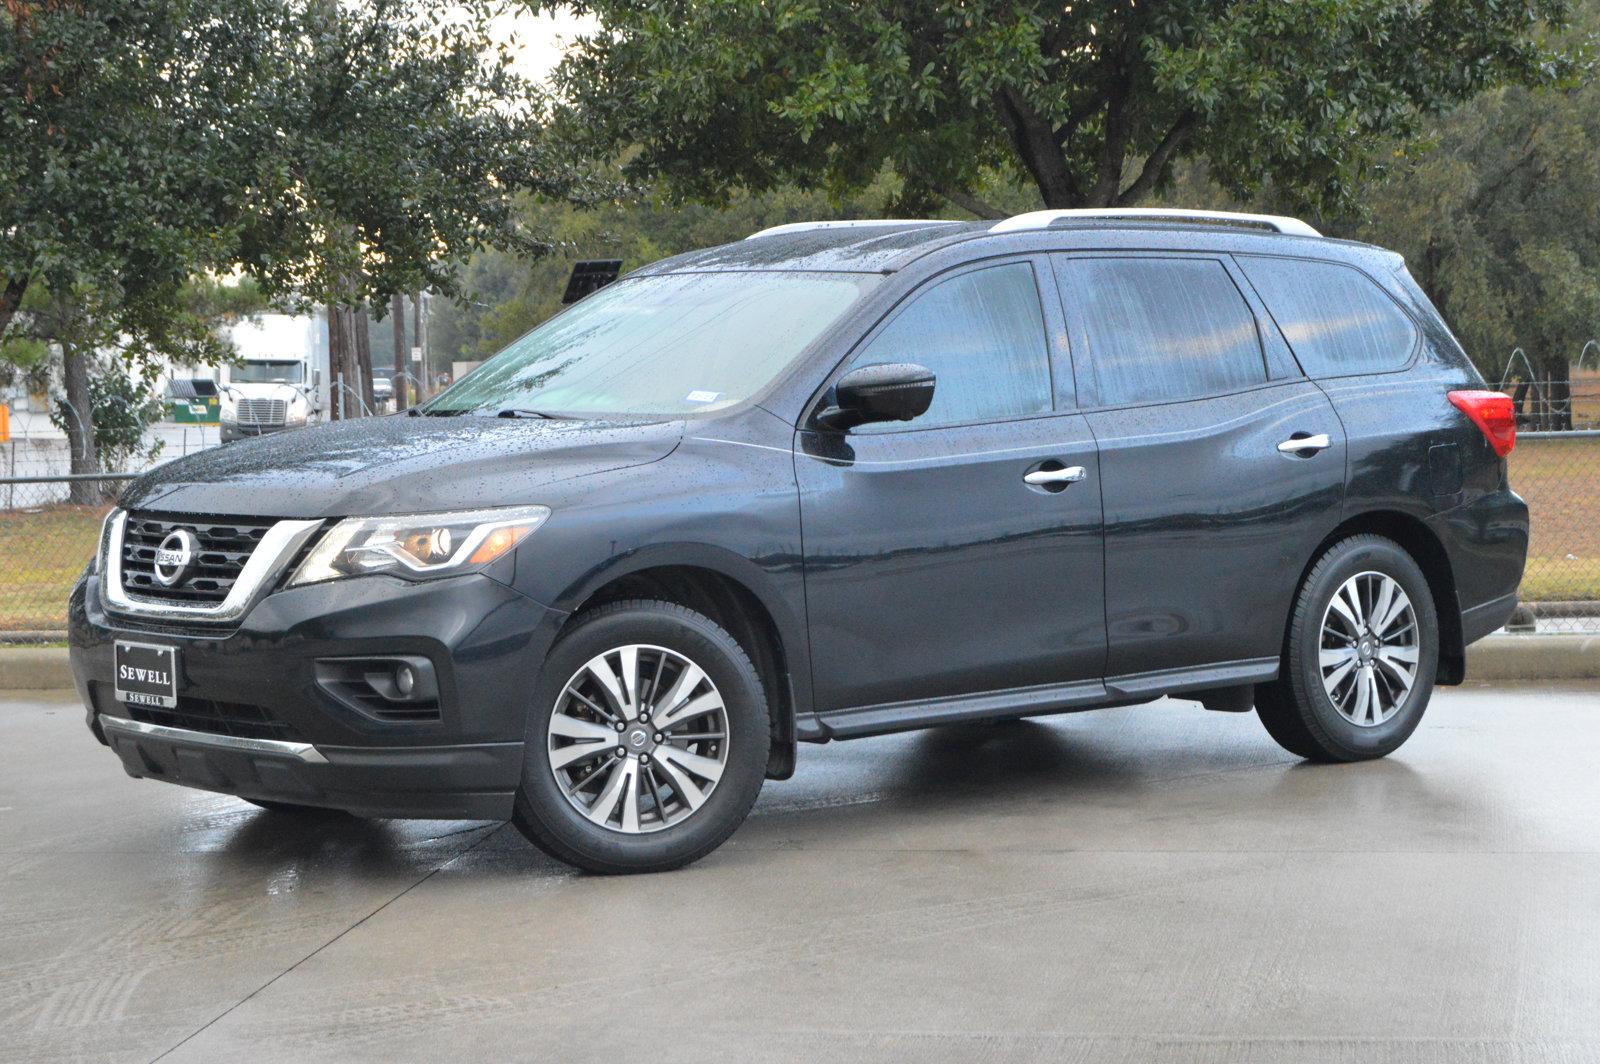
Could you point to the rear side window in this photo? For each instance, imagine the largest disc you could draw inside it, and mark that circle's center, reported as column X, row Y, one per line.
column 982, row 334
column 1162, row 329
column 1336, row 319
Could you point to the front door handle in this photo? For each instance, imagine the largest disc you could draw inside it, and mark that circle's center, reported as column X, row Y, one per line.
column 1045, row 478
column 1301, row 442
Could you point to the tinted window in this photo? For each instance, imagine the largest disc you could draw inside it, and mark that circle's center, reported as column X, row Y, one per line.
column 1162, row 329
column 1335, row 318
column 982, row 334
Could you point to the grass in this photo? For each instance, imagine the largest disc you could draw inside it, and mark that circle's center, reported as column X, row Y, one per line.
column 42, row 552
column 1561, row 481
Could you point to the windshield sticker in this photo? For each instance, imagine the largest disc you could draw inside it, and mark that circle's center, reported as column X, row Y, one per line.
column 702, row 397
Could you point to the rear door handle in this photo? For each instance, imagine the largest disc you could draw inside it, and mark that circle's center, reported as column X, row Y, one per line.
column 1302, row 442
column 1043, row 478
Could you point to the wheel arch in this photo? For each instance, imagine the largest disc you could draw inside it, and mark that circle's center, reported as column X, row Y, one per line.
column 1428, row 551
column 739, row 597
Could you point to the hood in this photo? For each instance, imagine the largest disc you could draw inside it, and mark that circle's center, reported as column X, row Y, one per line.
column 396, row 464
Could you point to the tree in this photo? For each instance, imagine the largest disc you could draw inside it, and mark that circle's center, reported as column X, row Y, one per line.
column 394, row 139
column 108, row 373
column 117, row 130
column 1091, row 101
column 336, row 153
column 505, row 295
column 1500, row 223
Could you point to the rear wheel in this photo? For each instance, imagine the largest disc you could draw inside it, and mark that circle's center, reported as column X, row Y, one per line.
column 647, row 742
column 1359, row 657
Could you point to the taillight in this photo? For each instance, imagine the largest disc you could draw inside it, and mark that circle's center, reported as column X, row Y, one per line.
column 1493, row 413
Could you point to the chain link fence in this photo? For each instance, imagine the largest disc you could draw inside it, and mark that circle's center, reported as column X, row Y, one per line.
column 1559, row 474
column 48, row 530
column 49, row 525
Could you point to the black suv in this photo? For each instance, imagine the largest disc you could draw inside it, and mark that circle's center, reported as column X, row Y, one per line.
column 835, row 480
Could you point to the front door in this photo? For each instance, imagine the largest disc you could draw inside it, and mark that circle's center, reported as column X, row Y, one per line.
column 934, row 568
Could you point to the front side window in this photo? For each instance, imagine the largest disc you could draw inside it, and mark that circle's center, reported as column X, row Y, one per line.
column 668, row 345
column 982, row 333
column 1162, row 329
column 1337, row 321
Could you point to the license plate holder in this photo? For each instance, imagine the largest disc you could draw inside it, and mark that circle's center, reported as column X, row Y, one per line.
column 146, row 674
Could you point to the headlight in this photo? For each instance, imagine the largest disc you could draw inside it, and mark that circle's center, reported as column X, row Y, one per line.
column 418, row 545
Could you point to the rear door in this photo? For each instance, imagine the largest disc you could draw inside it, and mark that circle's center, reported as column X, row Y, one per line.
column 1221, row 467
column 933, row 568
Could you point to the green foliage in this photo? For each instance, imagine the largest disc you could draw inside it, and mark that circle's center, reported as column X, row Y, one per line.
column 116, row 130
column 1500, row 221
column 386, row 142
column 334, row 152
column 1092, row 101
column 506, row 295
column 124, row 408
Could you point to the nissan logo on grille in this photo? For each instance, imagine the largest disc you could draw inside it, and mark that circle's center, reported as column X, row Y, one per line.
column 174, row 557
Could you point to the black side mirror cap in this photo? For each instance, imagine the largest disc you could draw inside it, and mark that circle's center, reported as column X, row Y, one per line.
column 888, row 391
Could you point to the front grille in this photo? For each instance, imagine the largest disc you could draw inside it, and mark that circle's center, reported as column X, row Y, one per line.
column 225, row 545
column 262, row 412
column 215, row 718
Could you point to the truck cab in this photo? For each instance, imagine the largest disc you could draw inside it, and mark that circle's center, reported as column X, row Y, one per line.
column 279, row 381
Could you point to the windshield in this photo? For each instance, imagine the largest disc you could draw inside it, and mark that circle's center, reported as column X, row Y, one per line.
column 266, row 373
column 671, row 344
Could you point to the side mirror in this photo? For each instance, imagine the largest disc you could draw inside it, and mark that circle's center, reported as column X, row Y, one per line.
column 891, row 391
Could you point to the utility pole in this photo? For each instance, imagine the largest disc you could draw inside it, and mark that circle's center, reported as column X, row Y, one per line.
column 397, row 311
column 425, row 382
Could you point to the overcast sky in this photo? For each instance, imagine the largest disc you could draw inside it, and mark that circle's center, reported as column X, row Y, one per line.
column 540, row 39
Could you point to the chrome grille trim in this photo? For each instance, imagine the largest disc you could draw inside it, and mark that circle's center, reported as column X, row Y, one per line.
column 262, row 412
column 304, row 751
column 277, row 547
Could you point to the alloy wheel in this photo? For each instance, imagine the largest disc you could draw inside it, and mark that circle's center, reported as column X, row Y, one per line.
column 638, row 739
column 1369, row 649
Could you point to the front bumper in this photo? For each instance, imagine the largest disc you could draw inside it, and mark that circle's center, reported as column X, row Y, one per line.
column 233, row 430
column 307, row 745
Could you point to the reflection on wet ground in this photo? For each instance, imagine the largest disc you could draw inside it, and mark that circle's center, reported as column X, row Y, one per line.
column 1154, row 883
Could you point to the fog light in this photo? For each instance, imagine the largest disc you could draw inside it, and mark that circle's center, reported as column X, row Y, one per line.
column 405, row 681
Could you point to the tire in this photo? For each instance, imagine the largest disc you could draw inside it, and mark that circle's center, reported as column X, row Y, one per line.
column 1343, row 725
column 679, row 815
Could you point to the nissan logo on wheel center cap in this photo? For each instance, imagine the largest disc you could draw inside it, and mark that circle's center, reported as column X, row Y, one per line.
column 174, row 557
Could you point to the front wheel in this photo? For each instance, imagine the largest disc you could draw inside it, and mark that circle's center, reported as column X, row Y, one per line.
column 1359, row 657
column 647, row 741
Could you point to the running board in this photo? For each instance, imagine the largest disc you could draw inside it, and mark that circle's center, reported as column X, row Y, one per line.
column 860, row 721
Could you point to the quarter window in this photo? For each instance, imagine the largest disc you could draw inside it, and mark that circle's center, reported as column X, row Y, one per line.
column 982, row 333
column 1335, row 318
column 1159, row 330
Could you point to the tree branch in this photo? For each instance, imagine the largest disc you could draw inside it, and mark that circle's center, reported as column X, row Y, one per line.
column 10, row 299
column 1156, row 164
column 971, row 204
column 1115, row 145
column 1035, row 142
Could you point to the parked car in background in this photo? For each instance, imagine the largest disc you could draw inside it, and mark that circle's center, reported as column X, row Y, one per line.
column 832, row 481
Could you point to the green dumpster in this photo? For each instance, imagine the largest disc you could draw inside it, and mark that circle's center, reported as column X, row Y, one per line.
column 193, row 401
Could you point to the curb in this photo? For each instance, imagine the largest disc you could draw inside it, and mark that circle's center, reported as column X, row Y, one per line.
column 34, row 669
column 1497, row 658
column 1535, row 657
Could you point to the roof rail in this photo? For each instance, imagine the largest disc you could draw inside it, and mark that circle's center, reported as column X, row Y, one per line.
column 1044, row 219
column 858, row 223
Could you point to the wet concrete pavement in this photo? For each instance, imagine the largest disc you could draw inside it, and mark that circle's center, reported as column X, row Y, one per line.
column 1150, row 884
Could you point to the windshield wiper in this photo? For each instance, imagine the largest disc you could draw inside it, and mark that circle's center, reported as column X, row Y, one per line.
column 520, row 412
